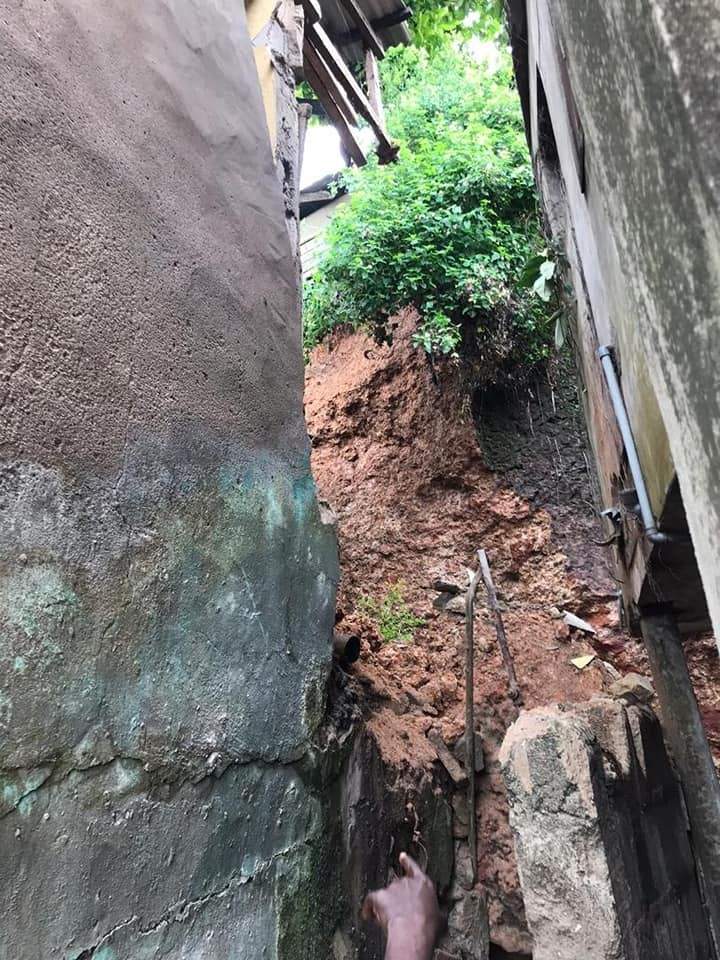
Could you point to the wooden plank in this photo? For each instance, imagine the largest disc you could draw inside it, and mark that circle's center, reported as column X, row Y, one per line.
column 394, row 19
column 370, row 39
column 313, row 13
column 318, row 40
column 372, row 78
column 348, row 136
column 457, row 774
column 329, row 81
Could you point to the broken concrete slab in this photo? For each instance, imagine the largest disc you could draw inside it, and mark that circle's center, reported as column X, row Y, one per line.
column 450, row 603
column 468, row 926
column 460, row 819
column 605, row 864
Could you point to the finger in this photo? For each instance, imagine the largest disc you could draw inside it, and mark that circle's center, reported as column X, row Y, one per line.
column 409, row 866
column 368, row 908
column 374, row 907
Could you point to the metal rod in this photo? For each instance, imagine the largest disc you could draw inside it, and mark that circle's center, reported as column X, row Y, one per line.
column 685, row 735
column 470, row 717
column 618, row 402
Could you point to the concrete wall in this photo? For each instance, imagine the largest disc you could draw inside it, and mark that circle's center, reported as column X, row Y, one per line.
column 631, row 201
column 276, row 29
column 166, row 583
column 643, row 76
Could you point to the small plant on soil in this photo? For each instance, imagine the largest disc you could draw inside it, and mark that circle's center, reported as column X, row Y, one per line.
column 391, row 616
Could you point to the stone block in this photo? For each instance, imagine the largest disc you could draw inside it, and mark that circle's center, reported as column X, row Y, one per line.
column 606, row 869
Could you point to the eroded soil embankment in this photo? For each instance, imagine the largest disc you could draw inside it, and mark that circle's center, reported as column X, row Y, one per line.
column 397, row 454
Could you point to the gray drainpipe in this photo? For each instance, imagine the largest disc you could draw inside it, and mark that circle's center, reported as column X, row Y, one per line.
column 646, row 512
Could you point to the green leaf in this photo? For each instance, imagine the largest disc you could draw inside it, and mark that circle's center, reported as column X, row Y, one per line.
column 530, row 271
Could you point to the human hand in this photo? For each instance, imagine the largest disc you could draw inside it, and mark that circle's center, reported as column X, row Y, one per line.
column 408, row 911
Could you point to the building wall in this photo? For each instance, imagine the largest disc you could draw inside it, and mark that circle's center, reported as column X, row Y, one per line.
column 166, row 582
column 276, row 30
column 642, row 238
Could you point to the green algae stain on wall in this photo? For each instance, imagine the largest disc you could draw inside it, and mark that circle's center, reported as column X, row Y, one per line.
column 18, row 787
column 36, row 601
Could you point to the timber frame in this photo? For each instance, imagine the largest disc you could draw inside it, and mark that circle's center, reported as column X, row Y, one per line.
column 338, row 91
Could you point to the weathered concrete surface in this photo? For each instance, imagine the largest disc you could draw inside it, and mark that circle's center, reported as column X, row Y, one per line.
column 276, row 29
column 644, row 77
column 166, row 583
column 601, row 838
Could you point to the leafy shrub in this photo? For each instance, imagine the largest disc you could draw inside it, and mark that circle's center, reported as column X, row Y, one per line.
column 433, row 21
column 448, row 228
column 391, row 616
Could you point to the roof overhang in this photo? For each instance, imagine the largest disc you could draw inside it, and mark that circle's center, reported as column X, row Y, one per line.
column 338, row 34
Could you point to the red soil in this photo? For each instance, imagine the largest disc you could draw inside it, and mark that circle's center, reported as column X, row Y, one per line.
column 396, row 455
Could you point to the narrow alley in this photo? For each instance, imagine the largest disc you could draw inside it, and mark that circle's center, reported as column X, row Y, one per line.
column 359, row 513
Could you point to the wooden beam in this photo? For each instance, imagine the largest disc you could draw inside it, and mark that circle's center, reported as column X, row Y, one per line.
column 353, row 147
column 322, row 71
column 372, row 79
column 313, row 13
column 317, row 40
column 394, row 19
column 370, row 38
column 304, row 114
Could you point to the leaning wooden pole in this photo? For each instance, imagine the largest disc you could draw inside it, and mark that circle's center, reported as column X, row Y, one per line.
column 499, row 626
column 685, row 735
column 470, row 717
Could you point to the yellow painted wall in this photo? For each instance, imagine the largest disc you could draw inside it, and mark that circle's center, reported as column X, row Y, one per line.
column 258, row 14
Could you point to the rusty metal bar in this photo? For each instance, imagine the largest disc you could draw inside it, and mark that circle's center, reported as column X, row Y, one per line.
column 470, row 716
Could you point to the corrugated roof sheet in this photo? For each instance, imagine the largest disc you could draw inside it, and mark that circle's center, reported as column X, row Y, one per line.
column 339, row 23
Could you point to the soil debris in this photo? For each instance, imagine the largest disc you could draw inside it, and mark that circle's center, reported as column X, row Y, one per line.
column 397, row 454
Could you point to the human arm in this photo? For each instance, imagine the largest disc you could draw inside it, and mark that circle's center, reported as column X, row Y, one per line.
column 408, row 912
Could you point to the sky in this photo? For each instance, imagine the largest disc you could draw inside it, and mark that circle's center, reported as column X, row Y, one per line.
column 322, row 154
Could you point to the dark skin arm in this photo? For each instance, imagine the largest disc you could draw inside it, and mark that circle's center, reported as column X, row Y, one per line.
column 408, row 912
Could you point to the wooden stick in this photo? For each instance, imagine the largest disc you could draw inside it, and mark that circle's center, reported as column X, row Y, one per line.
column 349, row 138
column 335, row 66
column 313, row 58
column 470, row 717
column 499, row 626
column 372, row 77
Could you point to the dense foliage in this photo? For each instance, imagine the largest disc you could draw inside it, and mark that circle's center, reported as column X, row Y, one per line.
column 433, row 22
column 449, row 227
